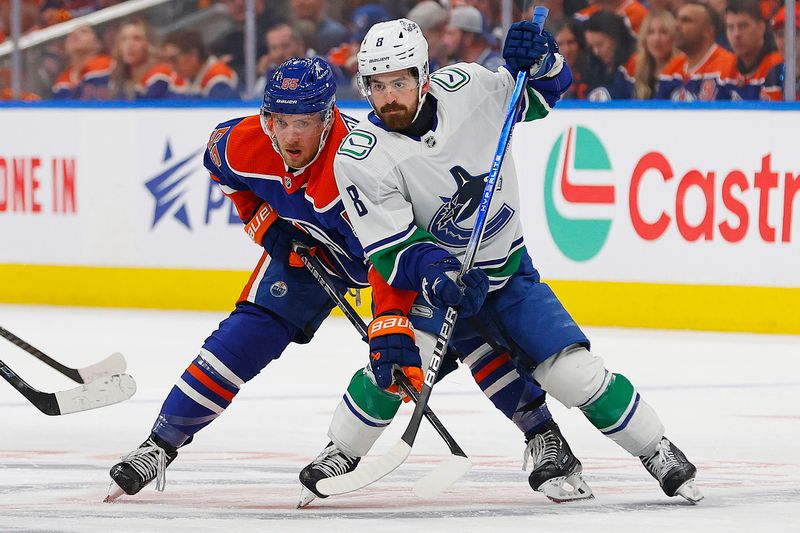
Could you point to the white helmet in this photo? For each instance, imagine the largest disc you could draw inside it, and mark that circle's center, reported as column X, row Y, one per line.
column 391, row 46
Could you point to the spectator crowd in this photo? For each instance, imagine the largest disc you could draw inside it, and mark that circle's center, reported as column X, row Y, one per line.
column 680, row 50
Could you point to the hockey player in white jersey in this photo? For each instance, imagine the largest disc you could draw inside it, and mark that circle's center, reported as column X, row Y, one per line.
column 411, row 176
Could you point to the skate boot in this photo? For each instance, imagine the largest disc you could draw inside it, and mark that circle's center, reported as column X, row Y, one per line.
column 673, row 471
column 557, row 473
column 144, row 464
column 331, row 462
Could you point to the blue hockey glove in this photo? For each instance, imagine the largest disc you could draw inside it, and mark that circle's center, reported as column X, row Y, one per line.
column 392, row 343
column 525, row 47
column 278, row 239
column 440, row 288
column 276, row 234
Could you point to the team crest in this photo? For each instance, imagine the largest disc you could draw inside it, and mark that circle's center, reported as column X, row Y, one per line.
column 450, row 223
column 708, row 90
column 278, row 289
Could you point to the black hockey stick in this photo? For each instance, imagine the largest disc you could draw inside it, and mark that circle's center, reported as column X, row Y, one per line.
column 113, row 364
column 316, row 268
column 98, row 393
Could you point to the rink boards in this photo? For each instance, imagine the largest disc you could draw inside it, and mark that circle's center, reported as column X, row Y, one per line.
column 645, row 217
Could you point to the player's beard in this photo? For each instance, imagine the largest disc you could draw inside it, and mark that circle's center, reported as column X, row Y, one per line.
column 396, row 121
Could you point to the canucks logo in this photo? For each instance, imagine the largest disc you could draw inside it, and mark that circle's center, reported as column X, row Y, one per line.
column 169, row 186
column 448, row 224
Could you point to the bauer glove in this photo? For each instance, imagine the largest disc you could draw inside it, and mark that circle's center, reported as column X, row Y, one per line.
column 392, row 343
column 276, row 234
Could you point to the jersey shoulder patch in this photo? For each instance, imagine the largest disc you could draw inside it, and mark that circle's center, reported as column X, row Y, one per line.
column 357, row 144
column 349, row 122
column 451, row 78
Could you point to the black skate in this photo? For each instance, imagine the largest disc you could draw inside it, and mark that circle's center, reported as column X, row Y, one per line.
column 673, row 471
column 557, row 473
column 331, row 462
column 144, row 464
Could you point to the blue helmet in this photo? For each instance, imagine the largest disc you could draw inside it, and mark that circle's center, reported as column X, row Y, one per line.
column 300, row 86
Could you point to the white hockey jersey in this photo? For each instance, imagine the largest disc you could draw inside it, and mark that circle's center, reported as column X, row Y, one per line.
column 400, row 191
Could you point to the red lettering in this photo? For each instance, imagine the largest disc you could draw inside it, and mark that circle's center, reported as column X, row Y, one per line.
column 790, row 188
column 735, row 178
column 766, row 179
column 54, row 175
column 705, row 229
column 3, row 184
column 19, row 184
column 646, row 230
column 36, row 207
column 68, row 188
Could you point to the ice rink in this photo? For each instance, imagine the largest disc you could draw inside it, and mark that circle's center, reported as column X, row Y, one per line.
column 730, row 401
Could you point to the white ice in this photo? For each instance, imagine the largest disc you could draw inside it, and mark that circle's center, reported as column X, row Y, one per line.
column 730, row 401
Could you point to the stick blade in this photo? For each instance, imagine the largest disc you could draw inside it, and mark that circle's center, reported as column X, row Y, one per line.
column 442, row 477
column 365, row 474
column 98, row 393
column 113, row 364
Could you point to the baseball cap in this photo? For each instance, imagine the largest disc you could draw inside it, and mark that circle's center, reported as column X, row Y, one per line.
column 467, row 18
column 779, row 20
column 428, row 14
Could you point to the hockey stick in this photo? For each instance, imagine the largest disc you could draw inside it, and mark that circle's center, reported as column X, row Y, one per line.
column 113, row 364
column 458, row 464
column 98, row 393
column 377, row 469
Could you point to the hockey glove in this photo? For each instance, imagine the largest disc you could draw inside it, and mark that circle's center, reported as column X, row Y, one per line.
column 276, row 234
column 392, row 343
column 526, row 49
column 440, row 288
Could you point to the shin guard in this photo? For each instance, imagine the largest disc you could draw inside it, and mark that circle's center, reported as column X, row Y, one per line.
column 362, row 415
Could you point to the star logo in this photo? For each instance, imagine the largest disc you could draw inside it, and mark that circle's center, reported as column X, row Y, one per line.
column 169, row 186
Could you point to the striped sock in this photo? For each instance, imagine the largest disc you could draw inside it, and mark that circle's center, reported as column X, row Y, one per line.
column 517, row 398
column 205, row 389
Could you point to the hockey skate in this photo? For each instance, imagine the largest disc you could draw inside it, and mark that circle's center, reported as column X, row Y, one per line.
column 331, row 462
column 557, row 473
column 673, row 471
column 144, row 464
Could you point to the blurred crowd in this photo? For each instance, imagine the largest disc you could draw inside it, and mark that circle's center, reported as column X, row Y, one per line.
column 618, row 49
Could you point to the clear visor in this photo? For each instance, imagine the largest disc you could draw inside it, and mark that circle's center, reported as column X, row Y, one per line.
column 301, row 124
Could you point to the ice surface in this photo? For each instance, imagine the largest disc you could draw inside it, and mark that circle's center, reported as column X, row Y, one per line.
column 730, row 401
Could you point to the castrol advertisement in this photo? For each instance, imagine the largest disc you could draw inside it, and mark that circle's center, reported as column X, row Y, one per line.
column 680, row 196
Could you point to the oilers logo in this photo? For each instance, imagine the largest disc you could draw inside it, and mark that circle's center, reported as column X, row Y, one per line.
column 278, row 289
column 449, row 224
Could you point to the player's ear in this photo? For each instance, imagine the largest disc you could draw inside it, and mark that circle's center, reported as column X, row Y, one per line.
column 426, row 86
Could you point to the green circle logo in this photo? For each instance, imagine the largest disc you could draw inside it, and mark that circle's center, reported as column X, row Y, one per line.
column 578, row 152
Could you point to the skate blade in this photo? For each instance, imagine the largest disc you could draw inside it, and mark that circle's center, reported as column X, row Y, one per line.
column 566, row 489
column 306, row 497
column 114, row 492
column 690, row 492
